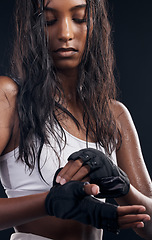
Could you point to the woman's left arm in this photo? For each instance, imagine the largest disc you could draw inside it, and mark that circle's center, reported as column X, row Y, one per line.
column 130, row 159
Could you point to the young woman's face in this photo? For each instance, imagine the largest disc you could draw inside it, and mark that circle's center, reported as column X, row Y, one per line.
column 67, row 29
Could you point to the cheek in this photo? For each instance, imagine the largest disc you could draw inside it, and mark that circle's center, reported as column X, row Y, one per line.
column 83, row 36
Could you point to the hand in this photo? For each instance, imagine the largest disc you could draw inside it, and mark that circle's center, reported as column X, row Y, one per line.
column 128, row 216
column 132, row 216
column 71, row 201
column 98, row 169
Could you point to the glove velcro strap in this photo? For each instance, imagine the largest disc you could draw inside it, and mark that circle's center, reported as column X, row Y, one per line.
column 111, row 186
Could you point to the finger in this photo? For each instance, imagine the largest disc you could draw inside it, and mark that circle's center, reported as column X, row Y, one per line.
column 81, row 173
column 69, row 171
column 132, row 225
column 123, row 210
column 91, row 189
column 55, row 176
column 86, row 179
column 63, row 171
column 127, row 219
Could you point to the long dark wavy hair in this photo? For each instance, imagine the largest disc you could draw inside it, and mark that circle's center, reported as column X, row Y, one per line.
column 33, row 66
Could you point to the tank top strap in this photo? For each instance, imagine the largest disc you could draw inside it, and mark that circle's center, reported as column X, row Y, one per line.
column 16, row 81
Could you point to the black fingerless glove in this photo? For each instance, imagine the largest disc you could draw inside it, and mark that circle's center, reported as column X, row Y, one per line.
column 112, row 181
column 69, row 201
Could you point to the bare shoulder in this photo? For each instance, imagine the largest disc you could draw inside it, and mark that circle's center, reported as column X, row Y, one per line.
column 118, row 108
column 8, row 85
column 8, row 114
column 8, row 89
column 121, row 113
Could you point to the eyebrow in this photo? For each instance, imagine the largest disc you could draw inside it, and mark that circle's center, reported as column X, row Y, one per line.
column 71, row 9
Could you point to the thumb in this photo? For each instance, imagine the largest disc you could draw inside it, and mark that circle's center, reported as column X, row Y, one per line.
column 82, row 189
column 91, row 189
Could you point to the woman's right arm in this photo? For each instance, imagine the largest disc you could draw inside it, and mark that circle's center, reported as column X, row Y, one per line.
column 14, row 211
column 8, row 94
column 20, row 210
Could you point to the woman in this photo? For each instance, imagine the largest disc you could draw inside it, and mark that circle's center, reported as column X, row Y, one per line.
column 60, row 99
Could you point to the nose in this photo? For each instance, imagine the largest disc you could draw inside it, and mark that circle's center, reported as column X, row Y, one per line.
column 65, row 30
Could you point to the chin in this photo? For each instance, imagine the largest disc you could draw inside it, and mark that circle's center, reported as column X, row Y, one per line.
column 66, row 65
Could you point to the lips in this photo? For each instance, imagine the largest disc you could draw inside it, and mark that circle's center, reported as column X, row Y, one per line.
column 65, row 52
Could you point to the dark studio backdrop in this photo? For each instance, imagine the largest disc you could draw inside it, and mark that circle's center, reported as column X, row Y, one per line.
column 132, row 31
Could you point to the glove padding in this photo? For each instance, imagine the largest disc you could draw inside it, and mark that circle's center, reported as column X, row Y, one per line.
column 69, row 201
column 112, row 181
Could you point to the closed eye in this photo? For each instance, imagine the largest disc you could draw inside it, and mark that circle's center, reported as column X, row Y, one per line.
column 51, row 22
column 78, row 20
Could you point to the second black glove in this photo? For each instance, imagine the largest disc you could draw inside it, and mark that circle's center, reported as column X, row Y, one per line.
column 69, row 201
column 113, row 182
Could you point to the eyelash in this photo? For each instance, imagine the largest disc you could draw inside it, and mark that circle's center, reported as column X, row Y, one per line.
column 50, row 23
column 77, row 20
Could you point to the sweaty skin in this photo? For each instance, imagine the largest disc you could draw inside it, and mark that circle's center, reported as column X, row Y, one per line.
column 130, row 159
column 28, row 213
column 67, row 31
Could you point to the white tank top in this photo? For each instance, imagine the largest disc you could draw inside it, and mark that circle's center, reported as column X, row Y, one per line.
column 16, row 178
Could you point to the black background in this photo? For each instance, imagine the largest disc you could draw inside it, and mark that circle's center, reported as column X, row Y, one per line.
column 132, row 31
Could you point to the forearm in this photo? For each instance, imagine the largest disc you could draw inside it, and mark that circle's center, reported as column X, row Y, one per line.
column 134, row 197
column 17, row 211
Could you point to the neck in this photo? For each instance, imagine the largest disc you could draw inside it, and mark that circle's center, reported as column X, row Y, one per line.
column 68, row 79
